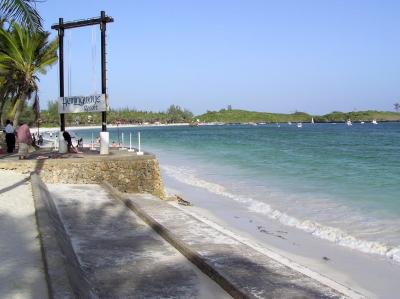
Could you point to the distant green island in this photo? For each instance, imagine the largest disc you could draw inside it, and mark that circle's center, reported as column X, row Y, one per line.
column 174, row 114
column 244, row 116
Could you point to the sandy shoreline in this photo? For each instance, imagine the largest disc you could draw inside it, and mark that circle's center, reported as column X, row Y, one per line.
column 77, row 128
column 273, row 253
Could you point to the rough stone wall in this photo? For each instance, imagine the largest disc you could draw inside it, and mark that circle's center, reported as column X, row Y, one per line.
column 127, row 175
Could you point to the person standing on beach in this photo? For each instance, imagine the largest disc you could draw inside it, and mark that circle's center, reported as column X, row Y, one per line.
column 24, row 138
column 10, row 136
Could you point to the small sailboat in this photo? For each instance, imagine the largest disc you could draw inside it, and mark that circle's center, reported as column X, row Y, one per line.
column 349, row 123
column 289, row 123
column 362, row 122
column 312, row 120
column 299, row 125
column 374, row 122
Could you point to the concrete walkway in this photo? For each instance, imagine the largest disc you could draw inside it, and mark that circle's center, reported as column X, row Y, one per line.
column 119, row 255
column 21, row 267
column 110, row 251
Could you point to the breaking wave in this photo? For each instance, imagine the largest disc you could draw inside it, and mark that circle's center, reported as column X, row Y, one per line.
column 328, row 233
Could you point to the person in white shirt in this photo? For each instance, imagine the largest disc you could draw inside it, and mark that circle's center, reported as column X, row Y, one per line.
column 10, row 136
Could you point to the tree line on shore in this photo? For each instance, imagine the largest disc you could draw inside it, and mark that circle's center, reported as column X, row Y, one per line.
column 242, row 116
column 175, row 114
column 51, row 118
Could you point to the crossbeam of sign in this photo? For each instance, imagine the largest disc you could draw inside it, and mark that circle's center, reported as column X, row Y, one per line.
column 79, row 104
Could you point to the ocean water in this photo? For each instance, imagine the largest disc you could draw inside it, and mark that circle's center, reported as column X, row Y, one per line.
column 339, row 183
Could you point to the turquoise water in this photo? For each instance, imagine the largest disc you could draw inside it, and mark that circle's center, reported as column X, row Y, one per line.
column 340, row 177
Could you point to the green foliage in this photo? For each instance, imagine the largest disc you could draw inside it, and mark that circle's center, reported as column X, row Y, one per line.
column 23, row 55
column 177, row 114
column 174, row 114
column 361, row 116
column 21, row 11
column 52, row 107
column 243, row 116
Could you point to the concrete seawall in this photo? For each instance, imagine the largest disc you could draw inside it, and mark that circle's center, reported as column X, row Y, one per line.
column 124, row 171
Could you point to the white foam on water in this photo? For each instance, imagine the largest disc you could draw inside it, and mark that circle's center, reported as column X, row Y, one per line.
column 328, row 233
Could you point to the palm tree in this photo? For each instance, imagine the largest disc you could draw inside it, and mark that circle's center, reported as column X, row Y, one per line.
column 21, row 11
column 397, row 106
column 7, row 92
column 23, row 55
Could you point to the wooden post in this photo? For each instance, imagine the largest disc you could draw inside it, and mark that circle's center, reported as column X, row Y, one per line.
column 61, row 65
column 103, row 26
column 61, row 27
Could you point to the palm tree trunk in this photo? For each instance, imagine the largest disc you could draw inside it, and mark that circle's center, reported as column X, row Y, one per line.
column 3, row 100
column 2, row 104
column 19, row 106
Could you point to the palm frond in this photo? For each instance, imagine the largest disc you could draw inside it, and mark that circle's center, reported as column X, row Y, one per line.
column 23, row 55
column 22, row 11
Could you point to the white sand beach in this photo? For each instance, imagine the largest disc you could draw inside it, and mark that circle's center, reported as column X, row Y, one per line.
column 77, row 128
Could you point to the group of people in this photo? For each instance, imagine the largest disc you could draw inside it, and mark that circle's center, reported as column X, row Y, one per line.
column 22, row 135
column 26, row 141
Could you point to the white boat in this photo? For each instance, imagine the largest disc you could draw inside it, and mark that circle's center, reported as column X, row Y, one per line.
column 289, row 123
column 374, row 122
column 349, row 123
column 362, row 122
column 49, row 138
column 312, row 120
column 299, row 125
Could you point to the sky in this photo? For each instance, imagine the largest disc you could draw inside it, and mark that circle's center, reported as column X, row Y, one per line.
column 276, row 56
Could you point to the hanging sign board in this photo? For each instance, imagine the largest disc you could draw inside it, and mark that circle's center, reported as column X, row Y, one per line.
column 79, row 104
